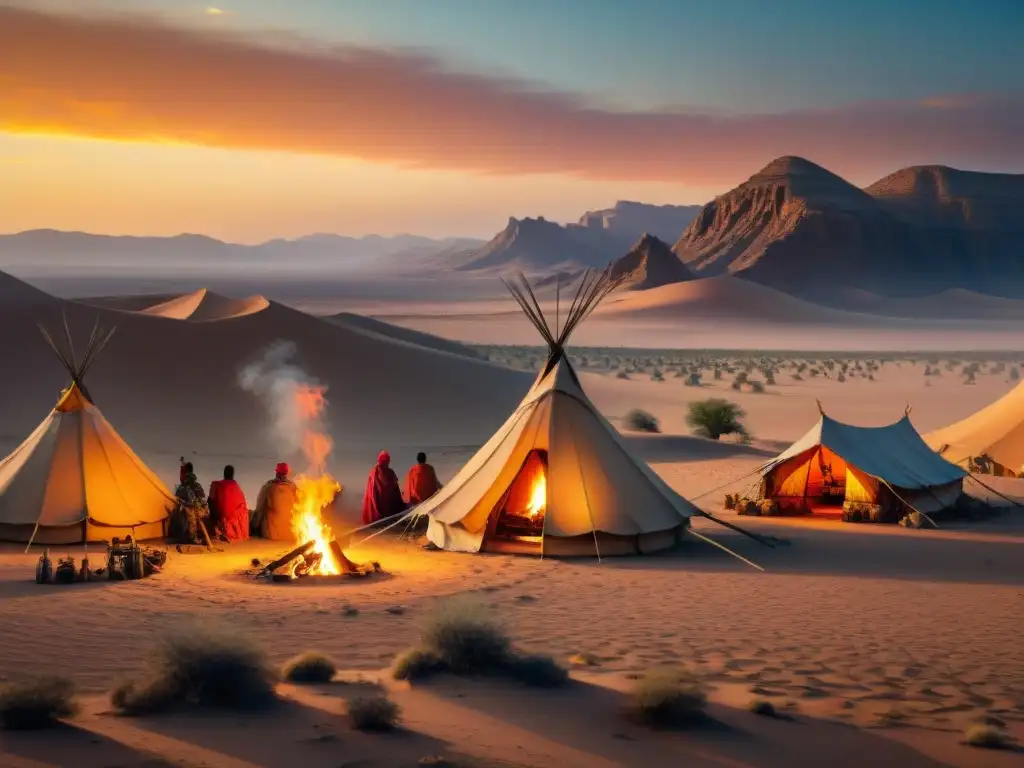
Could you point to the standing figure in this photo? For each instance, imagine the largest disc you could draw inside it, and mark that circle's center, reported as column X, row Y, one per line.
column 383, row 496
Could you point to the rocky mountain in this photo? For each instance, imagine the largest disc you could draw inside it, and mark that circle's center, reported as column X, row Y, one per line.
column 631, row 219
column 544, row 247
column 650, row 263
column 802, row 229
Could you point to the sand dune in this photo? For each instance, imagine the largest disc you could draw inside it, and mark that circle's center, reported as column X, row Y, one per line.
column 204, row 305
column 398, row 333
column 953, row 303
column 727, row 297
column 170, row 387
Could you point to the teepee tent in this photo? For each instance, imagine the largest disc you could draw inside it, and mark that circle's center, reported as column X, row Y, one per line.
column 839, row 468
column 75, row 479
column 991, row 439
column 556, row 478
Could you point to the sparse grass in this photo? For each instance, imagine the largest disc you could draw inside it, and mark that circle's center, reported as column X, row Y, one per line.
column 987, row 737
column 641, row 421
column 36, row 703
column 201, row 666
column 715, row 417
column 667, row 697
column 462, row 637
column 373, row 713
column 762, row 707
column 309, row 667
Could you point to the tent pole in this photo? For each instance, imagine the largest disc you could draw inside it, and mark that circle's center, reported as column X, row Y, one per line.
column 754, row 536
column 32, row 537
column 724, row 548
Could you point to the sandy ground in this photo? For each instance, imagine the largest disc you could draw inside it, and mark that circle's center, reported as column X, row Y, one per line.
column 881, row 644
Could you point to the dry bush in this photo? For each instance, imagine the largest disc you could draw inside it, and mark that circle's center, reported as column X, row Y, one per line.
column 36, row 703
column 987, row 737
column 762, row 707
column 715, row 417
column 621, row 375
column 667, row 697
column 309, row 667
column 373, row 713
column 202, row 666
column 462, row 637
column 641, row 421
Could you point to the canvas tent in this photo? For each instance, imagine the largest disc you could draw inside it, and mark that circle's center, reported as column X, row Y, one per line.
column 75, row 479
column 991, row 440
column 557, row 478
column 837, row 467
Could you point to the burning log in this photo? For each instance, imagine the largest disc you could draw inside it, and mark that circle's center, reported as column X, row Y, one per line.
column 300, row 550
column 308, row 564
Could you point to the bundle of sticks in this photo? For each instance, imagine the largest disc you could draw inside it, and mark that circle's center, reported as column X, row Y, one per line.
column 302, row 561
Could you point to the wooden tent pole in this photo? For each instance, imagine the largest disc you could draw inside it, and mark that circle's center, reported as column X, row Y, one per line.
column 724, row 548
column 32, row 537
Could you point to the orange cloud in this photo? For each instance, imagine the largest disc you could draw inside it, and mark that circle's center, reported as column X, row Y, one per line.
column 136, row 79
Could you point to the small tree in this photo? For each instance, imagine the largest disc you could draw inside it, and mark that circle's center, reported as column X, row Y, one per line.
column 1014, row 373
column 715, row 417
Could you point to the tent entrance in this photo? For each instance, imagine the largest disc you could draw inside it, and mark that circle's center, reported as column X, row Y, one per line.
column 518, row 517
column 814, row 482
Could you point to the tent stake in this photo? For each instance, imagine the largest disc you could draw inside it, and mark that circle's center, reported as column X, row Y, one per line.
column 32, row 537
column 724, row 548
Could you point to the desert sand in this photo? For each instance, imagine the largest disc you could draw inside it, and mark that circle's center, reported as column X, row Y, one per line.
column 881, row 644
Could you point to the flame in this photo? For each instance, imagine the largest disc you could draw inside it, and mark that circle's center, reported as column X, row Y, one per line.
column 538, row 495
column 316, row 489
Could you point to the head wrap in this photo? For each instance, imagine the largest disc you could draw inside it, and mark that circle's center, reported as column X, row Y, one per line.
column 282, row 469
column 384, row 458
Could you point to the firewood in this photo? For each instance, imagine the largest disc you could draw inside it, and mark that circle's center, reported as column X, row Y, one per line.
column 302, row 549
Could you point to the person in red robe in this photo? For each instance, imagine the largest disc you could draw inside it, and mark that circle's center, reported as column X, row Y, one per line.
column 421, row 483
column 228, row 505
column 383, row 496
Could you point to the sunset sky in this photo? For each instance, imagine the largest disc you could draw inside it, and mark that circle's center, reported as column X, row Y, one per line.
column 252, row 119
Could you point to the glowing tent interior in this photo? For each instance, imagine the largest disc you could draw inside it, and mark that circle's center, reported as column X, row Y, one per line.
column 836, row 468
column 557, row 478
column 75, row 479
column 990, row 441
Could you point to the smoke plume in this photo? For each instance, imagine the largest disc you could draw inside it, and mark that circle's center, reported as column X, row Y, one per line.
column 295, row 403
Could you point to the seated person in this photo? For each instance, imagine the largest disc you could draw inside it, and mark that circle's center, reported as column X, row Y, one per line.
column 272, row 516
column 383, row 497
column 421, row 483
column 192, row 510
column 228, row 507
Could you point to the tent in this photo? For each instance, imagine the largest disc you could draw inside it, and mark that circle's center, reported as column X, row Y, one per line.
column 990, row 441
column 75, row 479
column 846, row 470
column 557, row 478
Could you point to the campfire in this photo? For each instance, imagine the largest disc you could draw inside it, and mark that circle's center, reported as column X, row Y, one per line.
column 316, row 553
column 524, row 506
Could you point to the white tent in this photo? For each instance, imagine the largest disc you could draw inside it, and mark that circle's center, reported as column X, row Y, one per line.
column 996, row 432
column 557, row 478
column 836, row 464
column 75, row 479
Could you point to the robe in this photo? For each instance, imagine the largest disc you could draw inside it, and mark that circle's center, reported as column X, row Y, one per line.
column 421, row 483
column 274, row 508
column 383, row 497
column 227, row 501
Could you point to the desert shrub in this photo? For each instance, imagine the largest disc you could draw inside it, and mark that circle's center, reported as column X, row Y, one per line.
column 741, row 378
column 36, row 703
column 415, row 664
column 987, row 737
column 373, row 713
column 309, row 667
column 762, row 707
column 667, row 697
column 693, row 380
column 621, row 375
column 641, row 421
column 796, row 377
column 657, row 375
column 770, row 379
column 757, row 387
column 462, row 637
column 200, row 666
column 717, row 374
column 715, row 417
